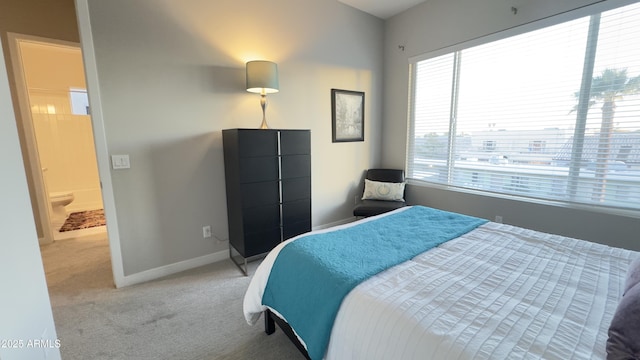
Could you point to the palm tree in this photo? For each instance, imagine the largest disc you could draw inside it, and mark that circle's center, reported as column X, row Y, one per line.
column 608, row 87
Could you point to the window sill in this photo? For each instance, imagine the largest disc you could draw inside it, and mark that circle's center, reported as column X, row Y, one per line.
column 559, row 204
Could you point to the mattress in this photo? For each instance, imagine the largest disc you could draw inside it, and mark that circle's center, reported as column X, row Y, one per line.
column 497, row 292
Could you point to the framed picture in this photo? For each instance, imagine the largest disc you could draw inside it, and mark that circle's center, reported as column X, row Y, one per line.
column 347, row 115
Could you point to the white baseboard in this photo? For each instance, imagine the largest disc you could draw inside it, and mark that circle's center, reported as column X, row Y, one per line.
column 174, row 268
column 335, row 223
column 83, row 206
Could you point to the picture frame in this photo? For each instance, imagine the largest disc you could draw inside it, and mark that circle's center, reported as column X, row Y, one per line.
column 347, row 115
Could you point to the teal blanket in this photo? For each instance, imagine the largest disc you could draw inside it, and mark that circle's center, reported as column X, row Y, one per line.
column 312, row 275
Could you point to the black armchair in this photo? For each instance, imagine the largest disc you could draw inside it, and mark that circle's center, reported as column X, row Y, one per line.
column 375, row 205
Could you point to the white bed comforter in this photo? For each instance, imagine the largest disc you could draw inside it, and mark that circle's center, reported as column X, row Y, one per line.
column 497, row 292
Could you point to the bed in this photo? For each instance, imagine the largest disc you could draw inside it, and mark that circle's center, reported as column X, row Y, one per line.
column 482, row 290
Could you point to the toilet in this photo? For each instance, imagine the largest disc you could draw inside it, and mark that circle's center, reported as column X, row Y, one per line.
column 58, row 202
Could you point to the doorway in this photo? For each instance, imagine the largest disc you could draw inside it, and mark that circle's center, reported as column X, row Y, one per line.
column 60, row 153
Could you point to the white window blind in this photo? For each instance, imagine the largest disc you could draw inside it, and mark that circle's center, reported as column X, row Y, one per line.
column 550, row 114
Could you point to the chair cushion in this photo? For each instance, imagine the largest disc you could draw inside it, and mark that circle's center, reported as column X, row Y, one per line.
column 376, row 207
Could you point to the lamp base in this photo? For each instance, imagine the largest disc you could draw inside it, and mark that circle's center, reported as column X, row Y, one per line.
column 263, row 104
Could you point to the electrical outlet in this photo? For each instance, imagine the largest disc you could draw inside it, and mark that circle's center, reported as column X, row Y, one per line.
column 499, row 219
column 206, row 231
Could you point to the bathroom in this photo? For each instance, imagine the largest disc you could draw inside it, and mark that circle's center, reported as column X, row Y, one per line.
column 54, row 77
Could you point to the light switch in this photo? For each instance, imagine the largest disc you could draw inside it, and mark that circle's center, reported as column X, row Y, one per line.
column 120, row 162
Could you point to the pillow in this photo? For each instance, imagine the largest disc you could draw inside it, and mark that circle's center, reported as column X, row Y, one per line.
column 377, row 190
column 633, row 275
column 624, row 330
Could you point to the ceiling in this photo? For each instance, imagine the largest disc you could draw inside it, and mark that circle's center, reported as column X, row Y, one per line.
column 383, row 9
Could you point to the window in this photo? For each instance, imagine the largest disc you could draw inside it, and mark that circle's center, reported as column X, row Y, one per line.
column 488, row 145
column 623, row 153
column 536, row 145
column 549, row 114
column 79, row 101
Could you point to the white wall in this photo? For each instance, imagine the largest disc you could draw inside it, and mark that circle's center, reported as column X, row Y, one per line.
column 64, row 140
column 26, row 310
column 171, row 77
column 437, row 24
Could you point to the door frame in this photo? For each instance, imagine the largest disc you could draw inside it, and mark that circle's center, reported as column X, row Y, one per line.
column 26, row 121
column 100, row 139
column 44, row 206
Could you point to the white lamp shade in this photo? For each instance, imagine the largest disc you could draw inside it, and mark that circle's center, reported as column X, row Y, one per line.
column 262, row 77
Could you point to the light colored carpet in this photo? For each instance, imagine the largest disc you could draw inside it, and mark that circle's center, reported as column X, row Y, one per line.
column 193, row 315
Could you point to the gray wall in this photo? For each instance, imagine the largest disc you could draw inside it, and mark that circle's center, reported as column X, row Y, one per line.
column 26, row 310
column 171, row 77
column 440, row 23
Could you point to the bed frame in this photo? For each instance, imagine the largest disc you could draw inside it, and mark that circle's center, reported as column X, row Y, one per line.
column 270, row 320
